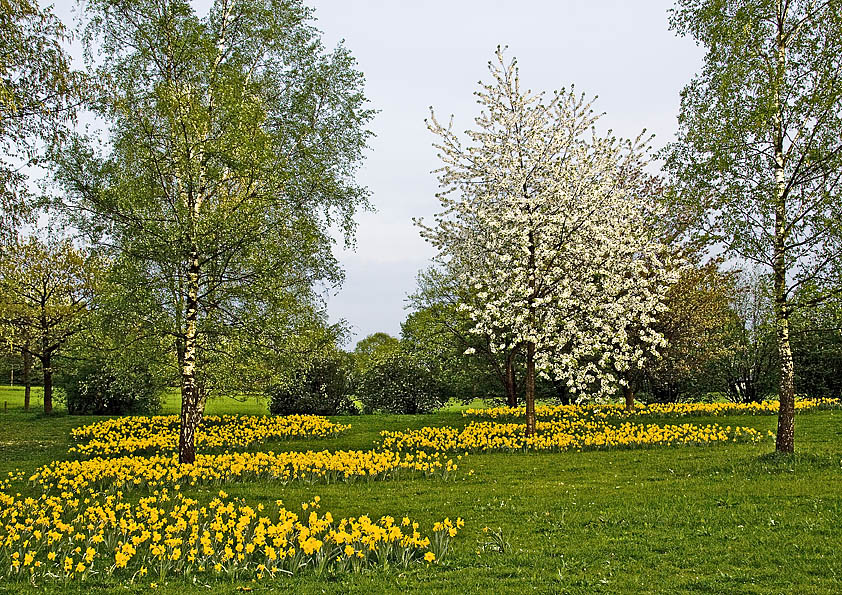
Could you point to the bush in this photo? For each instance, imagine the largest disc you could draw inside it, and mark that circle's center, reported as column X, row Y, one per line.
column 321, row 387
column 100, row 387
column 397, row 383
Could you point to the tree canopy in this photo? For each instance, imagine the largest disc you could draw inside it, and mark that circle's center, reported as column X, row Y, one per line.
column 759, row 149
column 38, row 95
column 233, row 142
column 537, row 216
column 46, row 291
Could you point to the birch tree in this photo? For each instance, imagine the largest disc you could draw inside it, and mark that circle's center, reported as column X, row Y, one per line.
column 759, row 148
column 234, row 138
column 540, row 220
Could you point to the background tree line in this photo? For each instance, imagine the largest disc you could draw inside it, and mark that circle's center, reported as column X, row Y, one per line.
column 188, row 244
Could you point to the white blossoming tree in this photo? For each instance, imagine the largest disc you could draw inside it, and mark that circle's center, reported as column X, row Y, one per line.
column 546, row 221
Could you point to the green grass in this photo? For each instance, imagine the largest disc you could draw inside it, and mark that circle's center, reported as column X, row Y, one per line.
column 718, row 519
column 11, row 397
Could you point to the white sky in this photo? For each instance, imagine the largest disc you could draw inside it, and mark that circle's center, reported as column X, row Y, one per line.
column 417, row 53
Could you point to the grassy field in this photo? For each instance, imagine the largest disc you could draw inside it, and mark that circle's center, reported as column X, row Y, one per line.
column 12, row 398
column 718, row 519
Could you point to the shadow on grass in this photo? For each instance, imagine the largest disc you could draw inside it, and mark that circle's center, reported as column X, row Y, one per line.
column 781, row 462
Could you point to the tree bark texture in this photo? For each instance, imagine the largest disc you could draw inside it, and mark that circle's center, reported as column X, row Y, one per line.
column 628, row 393
column 530, row 389
column 27, row 380
column 46, row 362
column 785, row 441
column 511, row 385
column 191, row 399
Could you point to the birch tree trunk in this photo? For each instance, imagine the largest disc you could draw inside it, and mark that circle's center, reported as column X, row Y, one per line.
column 191, row 400
column 786, row 414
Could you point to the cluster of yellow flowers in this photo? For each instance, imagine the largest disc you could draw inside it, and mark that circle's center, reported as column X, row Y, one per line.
column 160, row 433
column 71, row 538
column 163, row 470
column 11, row 478
column 562, row 435
column 610, row 410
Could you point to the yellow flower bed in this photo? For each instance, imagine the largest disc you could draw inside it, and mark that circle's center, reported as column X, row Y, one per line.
column 562, row 435
column 163, row 470
column 59, row 538
column 607, row 411
column 126, row 435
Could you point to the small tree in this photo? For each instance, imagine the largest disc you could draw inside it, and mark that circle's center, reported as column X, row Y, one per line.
column 817, row 348
column 45, row 293
column 427, row 336
column 746, row 371
column 695, row 326
column 548, row 228
column 398, row 383
column 321, row 385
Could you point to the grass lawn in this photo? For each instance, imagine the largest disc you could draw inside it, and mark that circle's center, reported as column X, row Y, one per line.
column 12, row 397
column 717, row 519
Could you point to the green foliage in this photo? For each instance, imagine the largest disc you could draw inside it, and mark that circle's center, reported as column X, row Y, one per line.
column 817, row 348
column 322, row 386
column 46, row 292
column 768, row 100
column 113, row 367
column 103, row 386
column 747, row 370
column 398, row 383
column 38, row 95
column 46, row 288
column 440, row 334
column 427, row 337
column 372, row 348
column 697, row 327
column 233, row 139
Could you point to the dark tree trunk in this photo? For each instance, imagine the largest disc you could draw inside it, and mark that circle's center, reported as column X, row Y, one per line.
column 27, row 379
column 511, row 385
column 530, row 388
column 530, row 346
column 628, row 393
column 46, row 360
column 785, row 441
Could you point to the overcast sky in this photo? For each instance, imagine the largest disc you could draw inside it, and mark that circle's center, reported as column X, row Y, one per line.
column 417, row 53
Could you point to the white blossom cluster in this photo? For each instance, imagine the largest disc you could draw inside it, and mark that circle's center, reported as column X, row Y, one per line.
column 545, row 221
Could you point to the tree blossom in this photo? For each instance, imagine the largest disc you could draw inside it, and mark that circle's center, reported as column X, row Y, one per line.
column 547, row 221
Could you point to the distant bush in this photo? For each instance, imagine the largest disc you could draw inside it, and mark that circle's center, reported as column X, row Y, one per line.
column 321, row 387
column 397, row 383
column 101, row 387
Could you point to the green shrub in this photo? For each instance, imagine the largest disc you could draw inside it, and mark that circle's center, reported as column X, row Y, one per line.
column 102, row 387
column 321, row 387
column 397, row 383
